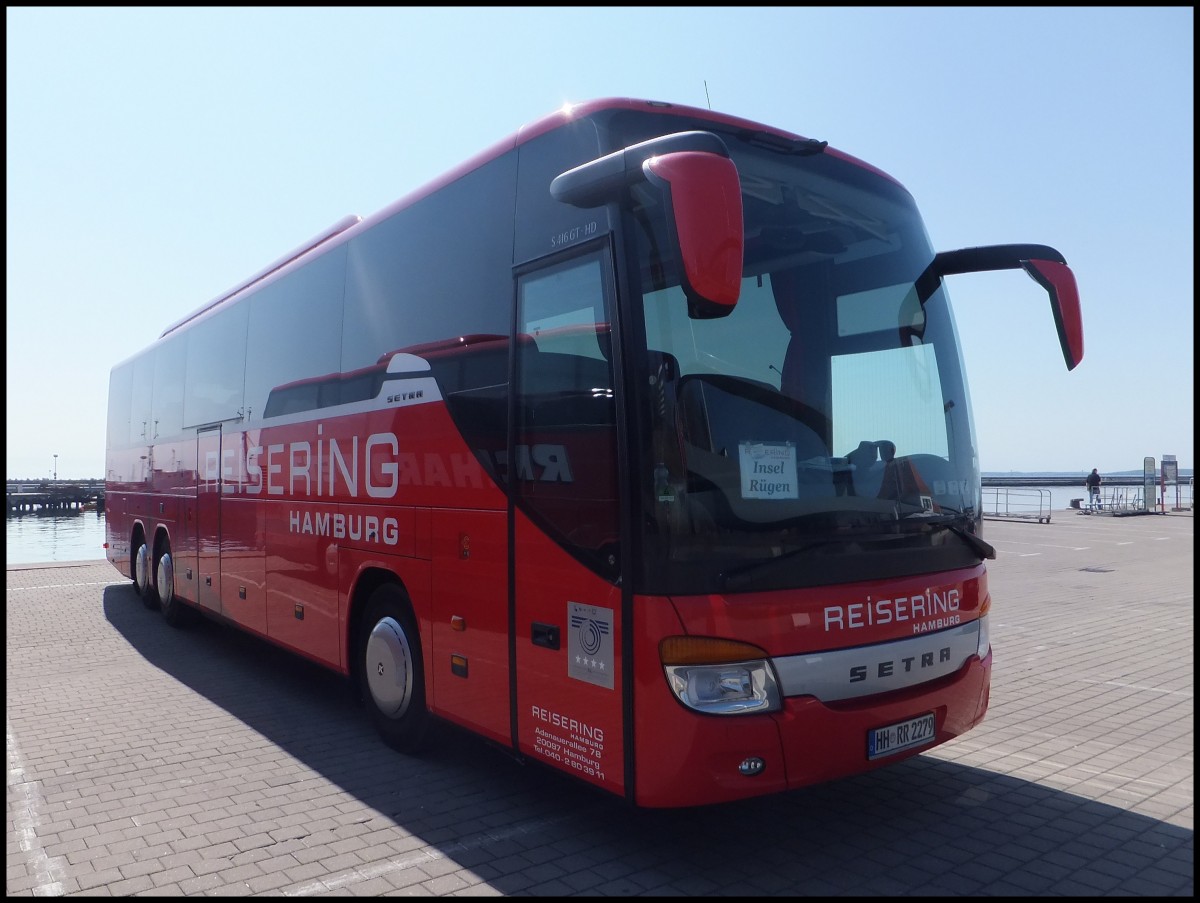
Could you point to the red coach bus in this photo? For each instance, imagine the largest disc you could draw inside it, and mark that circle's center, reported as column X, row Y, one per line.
column 640, row 445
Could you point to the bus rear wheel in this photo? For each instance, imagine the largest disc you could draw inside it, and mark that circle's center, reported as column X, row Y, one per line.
column 390, row 670
column 142, row 581
column 174, row 610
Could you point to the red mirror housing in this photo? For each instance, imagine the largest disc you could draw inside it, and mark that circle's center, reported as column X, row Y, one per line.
column 1059, row 282
column 703, row 196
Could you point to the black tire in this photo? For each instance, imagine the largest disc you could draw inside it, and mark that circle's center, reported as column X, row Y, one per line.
column 174, row 609
column 390, row 670
column 143, row 578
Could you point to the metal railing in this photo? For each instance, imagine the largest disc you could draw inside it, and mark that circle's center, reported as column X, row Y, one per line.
column 1016, row 504
column 1123, row 500
column 1179, row 496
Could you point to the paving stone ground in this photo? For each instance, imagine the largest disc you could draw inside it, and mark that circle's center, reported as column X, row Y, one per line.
column 144, row 760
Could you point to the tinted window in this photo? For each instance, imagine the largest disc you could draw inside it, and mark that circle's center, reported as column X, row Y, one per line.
column 433, row 271
column 546, row 226
column 295, row 332
column 170, row 359
column 141, row 413
column 216, row 367
column 120, row 400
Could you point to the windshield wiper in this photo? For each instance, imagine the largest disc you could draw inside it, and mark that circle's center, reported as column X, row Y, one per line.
column 742, row 576
column 730, row 579
column 953, row 522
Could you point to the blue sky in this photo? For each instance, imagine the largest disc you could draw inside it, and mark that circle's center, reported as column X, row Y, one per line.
column 157, row 157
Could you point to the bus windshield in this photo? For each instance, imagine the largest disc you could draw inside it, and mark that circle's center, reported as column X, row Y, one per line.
column 821, row 431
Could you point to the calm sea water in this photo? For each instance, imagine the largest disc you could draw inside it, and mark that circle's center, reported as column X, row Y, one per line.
column 42, row 538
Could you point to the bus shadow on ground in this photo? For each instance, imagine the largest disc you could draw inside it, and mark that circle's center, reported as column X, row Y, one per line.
column 920, row 826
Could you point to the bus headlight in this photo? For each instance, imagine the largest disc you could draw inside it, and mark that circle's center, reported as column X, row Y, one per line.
column 720, row 677
column 985, row 638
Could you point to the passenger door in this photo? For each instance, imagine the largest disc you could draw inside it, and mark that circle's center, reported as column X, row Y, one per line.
column 208, row 518
column 562, row 467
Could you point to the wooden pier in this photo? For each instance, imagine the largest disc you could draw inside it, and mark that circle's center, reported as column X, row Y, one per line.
column 59, row 496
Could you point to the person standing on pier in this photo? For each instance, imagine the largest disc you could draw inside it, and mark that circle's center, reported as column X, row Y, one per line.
column 1093, row 482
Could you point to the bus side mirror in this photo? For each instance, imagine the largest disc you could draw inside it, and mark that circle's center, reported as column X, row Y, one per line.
column 1059, row 282
column 702, row 197
column 1046, row 266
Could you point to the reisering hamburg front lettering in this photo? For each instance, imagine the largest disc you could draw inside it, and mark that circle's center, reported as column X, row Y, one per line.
column 942, row 606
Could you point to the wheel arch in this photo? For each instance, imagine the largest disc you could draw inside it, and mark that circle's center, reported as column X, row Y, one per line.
column 369, row 580
column 136, row 532
column 160, row 543
column 162, row 538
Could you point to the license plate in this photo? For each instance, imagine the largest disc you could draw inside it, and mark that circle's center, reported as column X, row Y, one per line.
column 887, row 741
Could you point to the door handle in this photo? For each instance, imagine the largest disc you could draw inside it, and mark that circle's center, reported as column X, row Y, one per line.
column 545, row 635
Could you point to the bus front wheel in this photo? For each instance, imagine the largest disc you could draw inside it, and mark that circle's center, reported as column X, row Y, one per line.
column 390, row 670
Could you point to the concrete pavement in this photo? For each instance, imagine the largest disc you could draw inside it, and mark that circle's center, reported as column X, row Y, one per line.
column 147, row 760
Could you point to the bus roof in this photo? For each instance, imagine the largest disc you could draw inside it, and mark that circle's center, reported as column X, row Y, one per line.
column 344, row 229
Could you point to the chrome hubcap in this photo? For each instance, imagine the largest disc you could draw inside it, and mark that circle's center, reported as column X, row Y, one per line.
column 166, row 579
column 141, row 568
column 389, row 668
